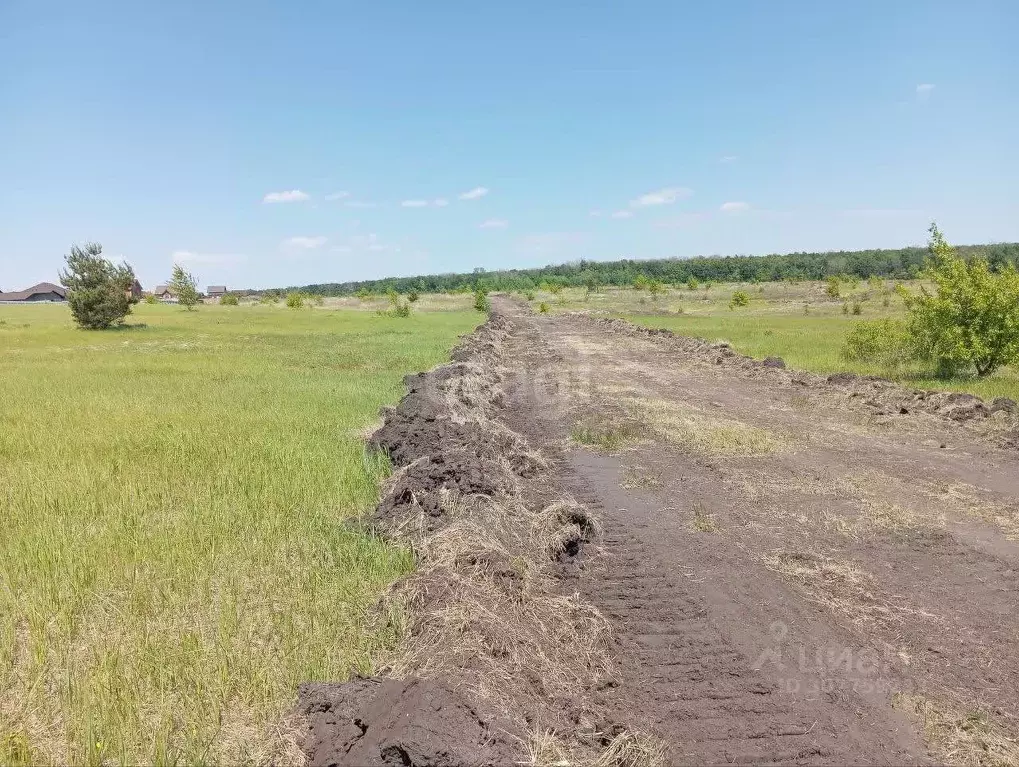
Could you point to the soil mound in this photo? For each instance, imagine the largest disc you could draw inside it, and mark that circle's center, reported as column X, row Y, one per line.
column 394, row 723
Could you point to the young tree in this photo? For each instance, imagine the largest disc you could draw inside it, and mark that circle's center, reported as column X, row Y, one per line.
column 98, row 292
column 182, row 285
column 971, row 320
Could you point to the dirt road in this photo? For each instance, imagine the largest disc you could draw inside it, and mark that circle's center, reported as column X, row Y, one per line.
column 635, row 548
column 795, row 570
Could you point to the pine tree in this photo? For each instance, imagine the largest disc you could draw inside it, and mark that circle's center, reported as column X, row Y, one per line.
column 98, row 291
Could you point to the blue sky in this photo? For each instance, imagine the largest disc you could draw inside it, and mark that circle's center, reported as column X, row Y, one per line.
column 273, row 143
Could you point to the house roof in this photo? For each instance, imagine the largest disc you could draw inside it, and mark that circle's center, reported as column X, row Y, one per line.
column 42, row 287
column 217, row 289
column 160, row 289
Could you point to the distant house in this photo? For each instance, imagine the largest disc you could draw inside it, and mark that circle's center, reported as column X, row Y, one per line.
column 165, row 294
column 216, row 291
column 135, row 291
column 41, row 293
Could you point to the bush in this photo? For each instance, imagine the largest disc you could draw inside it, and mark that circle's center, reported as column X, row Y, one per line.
column 530, row 295
column 692, row 283
column 98, row 292
column 883, row 342
column 481, row 300
column 543, row 308
column 401, row 310
column 971, row 321
column 151, row 299
column 845, row 307
column 833, row 288
column 655, row 288
column 229, row 300
column 640, row 283
column 857, row 308
column 363, row 294
column 295, row 300
column 739, row 299
column 413, row 296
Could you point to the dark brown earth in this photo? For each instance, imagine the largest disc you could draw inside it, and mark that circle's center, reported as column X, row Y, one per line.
column 793, row 568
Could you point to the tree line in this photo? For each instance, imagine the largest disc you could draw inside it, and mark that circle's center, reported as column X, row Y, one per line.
column 902, row 264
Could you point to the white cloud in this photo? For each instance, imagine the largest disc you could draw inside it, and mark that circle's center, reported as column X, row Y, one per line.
column 734, row 207
column 441, row 202
column 923, row 90
column 190, row 257
column 728, row 158
column 332, row 196
column 293, row 195
column 622, row 214
column 665, row 196
column 476, row 193
column 305, row 243
column 493, row 223
column 415, row 203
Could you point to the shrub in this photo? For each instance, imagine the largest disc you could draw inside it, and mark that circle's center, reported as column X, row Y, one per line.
column 401, row 310
column 884, row 342
column 530, row 295
column 655, row 288
column 857, row 308
column 845, row 307
column 543, row 308
column 363, row 294
column 295, row 300
column 833, row 288
column 481, row 303
column 151, row 299
column 971, row 320
column 413, row 296
column 640, row 283
column 98, row 292
column 393, row 296
column 229, row 300
column 739, row 299
column 692, row 283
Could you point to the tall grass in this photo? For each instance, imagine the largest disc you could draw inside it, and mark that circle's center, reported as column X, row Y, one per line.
column 173, row 560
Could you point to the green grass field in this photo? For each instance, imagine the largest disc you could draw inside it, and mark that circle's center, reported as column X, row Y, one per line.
column 799, row 323
column 173, row 560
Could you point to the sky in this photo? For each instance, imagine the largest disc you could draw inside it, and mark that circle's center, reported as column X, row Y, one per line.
column 266, row 144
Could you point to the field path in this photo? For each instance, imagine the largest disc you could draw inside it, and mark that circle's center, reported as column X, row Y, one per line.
column 795, row 572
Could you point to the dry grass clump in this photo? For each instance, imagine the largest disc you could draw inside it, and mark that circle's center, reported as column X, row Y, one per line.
column 958, row 738
column 843, row 588
column 702, row 432
column 627, row 749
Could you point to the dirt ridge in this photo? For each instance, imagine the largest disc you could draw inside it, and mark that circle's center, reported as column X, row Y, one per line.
column 879, row 395
column 496, row 657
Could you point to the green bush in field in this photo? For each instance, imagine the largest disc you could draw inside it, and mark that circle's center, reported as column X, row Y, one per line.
column 885, row 342
column 295, row 300
column 98, row 292
column 363, row 294
column 529, row 295
column 857, row 308
column 401, row 310
column 228, row 300
column 640, row 283
column 692, row 283
column 543, row 308
column 393, row 296
column 655, row 288
column 151, row 299
column 845, row 307
column 481, row 303
column 413, row 296
column 971, row 320
column 739, row 299
column 833, row 289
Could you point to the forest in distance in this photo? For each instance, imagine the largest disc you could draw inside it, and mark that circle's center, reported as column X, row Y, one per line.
column 901, row 263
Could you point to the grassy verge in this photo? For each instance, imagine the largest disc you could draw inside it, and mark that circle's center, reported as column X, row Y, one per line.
column 173, row 561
